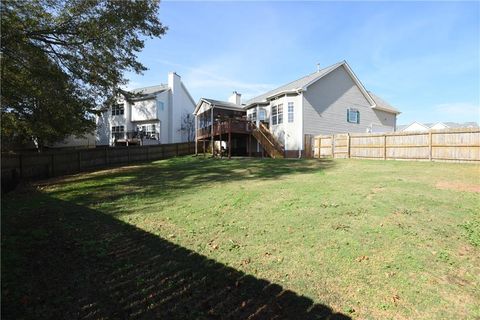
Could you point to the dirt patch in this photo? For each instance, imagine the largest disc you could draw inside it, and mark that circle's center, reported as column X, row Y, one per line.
column 458, row 186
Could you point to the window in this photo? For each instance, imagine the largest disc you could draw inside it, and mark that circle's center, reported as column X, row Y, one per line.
column 290, row 112
column 280, row 113
column 262, row 115
column 274, row 115
column 117, row 129
column 160, row 105
column 253, row 115
column 117, row 109
column 353, row 116
column 147, row 131
column 118, row 132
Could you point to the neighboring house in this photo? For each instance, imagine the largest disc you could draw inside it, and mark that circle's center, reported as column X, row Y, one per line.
column 331, row 100
column 73, row 142
column 421, row 127
column 153, row 116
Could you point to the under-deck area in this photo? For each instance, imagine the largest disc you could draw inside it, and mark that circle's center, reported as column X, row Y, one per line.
column 229, row 137
column 225, row 130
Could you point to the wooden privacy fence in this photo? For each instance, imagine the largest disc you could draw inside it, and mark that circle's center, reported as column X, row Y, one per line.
column 437, row 145
column 55, row 163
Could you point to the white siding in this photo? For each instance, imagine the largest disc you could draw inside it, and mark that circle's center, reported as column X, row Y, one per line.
column 144, row 110
column 87, row 141
column 180, row 104
column 289, row 134
column 326, row 103
column 439, row 126
column 415, row 127
column 102, row 137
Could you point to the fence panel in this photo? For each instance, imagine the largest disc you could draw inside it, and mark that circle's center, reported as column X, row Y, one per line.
column 340, row 145
column 441, row 145
column 54, row 163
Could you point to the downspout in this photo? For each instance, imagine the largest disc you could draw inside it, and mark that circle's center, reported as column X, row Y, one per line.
column 302, row 134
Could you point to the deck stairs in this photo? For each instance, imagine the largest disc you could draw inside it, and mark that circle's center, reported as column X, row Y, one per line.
column 269, row 143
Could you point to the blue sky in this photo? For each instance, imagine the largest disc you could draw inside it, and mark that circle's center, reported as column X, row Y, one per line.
column 421, row 57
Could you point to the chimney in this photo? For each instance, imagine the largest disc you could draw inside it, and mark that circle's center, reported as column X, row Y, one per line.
column 318, row 67
column 173, row 81
column 235, row 98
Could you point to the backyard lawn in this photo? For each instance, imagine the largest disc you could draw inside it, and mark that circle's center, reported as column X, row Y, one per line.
column 203, row 238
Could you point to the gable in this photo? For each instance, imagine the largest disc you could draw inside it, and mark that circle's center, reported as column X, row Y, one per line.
column 416, row 127
column 336, row 84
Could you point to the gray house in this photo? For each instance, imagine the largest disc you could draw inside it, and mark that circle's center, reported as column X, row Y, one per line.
column 331, row 100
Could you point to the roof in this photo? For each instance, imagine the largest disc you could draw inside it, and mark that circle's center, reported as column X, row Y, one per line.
column 302, row 83
column 294, row 85
column 461, row 125
column 447, row 124
column 382, row 104
column 223, row 104
column 152, row 89
column 219, row 103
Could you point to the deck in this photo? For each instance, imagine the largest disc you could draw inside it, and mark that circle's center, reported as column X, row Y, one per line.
column 225, row 127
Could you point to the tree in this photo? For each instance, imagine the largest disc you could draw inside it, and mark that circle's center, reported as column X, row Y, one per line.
column 188, row 126
column 63, row 62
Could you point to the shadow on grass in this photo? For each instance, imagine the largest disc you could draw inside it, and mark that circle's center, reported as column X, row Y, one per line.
column 64, row 261
column 167, row 178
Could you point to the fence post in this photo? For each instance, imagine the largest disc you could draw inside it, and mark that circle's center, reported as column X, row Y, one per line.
column 430, row 145
column 106, row 156
column 163, row 151
column 176, row 149
column 348, row 146
column 79, row 160
column 128, row 153
column 384, row 147
column 52, row 160
column 147, row 151
column 20, row 162
column 333, row 146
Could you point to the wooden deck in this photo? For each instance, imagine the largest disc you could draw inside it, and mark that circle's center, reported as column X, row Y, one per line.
column 225, row 127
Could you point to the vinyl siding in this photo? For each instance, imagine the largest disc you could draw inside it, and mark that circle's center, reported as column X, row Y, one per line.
column 326, row 102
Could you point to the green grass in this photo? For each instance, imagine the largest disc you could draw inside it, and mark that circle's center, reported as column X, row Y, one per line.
column 371, row 239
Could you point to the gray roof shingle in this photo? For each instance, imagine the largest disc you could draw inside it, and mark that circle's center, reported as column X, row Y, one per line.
column 382, row 104
column 224, row 104
column 151, row 89
column 302, row 82
column 297, row 84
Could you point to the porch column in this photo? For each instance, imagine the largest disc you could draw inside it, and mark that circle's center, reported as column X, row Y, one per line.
column 196, row 136
column 229, row 138
column 212, row 140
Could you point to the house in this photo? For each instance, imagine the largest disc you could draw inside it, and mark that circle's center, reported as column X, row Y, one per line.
column 88, row 140
column 330, row 100
column 421, row 127
column 153, row 115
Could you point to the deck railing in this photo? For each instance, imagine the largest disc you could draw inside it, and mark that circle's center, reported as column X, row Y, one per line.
column 130, row 135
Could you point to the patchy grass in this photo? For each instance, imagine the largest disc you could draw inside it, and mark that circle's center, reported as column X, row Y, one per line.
column 369, row 239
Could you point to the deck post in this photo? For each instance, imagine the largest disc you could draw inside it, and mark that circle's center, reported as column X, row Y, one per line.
column 249, row 144
column 220, row 137
column 229, row 138
column 204, row 155
column 196, row 137
column 213, row 132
